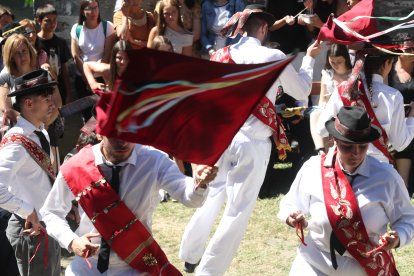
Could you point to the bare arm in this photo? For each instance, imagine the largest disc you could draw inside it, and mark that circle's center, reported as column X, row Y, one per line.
column 151, row 36
column 99, row 69
column 288, row 19
column 6, row 104
column 74, row 48
column 188, row 51
column 109, row 43
column 197, row 24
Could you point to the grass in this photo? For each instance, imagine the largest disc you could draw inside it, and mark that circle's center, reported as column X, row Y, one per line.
column 268, row 247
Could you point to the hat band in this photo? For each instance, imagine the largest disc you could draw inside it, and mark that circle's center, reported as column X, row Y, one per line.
column 32, row 83
column 352, row 134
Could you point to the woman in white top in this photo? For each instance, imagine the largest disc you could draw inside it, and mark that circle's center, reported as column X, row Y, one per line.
column 337, row 69
column 169, row 24
column 91, row 40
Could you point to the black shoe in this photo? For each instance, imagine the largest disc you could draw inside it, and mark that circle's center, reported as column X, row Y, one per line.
column 189, row 268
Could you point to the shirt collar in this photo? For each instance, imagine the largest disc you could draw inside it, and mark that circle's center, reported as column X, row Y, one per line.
column 101, row 160
column 363, row 169
column 377, row 78
column 28, row 126
column 250, row 39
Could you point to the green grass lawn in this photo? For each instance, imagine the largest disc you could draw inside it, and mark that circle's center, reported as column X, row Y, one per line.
column 268, row 247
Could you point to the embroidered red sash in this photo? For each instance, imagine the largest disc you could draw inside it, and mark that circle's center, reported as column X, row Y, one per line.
column 222, row 55
column 115, row 222
column 362, row 100
column 346, row 221
column 35, row 151
column 265, row 111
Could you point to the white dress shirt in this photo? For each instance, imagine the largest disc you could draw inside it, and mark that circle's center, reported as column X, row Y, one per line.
column 382, row 198
column 143, row 174
column 24, row 185
column 389, row 112
column 297, row 84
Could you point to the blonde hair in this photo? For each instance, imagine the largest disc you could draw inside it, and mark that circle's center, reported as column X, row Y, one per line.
column 9, row 50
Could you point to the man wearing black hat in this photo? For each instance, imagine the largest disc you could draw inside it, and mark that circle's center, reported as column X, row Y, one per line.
column 26, row 174
column 352, row 199
column 243, row 165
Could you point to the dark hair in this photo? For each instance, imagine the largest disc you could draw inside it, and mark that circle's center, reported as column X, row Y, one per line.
column 373, row 62
column 190, row 3
column 338, row 50
column 120, row 45
column 160, row 40
column 83, row 5
column 253, row 24
column 400, row 38
column 44, row 10
column 85, row 139
column 20, row 99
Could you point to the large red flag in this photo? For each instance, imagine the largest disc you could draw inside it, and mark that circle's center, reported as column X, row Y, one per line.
column 187, row 107
column 364, row 26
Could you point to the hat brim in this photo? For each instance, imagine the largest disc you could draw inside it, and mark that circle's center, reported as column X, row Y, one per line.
column 33, row 90
column 373, row 135
column 269, row 18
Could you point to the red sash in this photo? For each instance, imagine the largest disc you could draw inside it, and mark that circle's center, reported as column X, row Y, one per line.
column 346, row 221
column 222, row 55
column 35, row 151
column 362, row 100
column 115, row 222
column 265, row 111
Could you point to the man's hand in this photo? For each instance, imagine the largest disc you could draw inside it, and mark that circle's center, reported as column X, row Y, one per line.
column 308, row 4
column 32, row 225
column 83, row 247
column 295, row 218
column 290, row 20
column 392, row 238
column 203, row 175
column 11, row 114
column 314, row 49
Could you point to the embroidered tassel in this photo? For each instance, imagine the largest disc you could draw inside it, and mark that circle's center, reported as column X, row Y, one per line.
column 87, row 260
column 384, row 243
column 43, row 234
column 299, row 233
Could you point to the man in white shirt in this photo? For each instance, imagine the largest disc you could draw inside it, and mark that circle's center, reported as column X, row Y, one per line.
column 141, row 172
column 386, row 102
column 243, row 165
column 350, row 203
column 25, row 176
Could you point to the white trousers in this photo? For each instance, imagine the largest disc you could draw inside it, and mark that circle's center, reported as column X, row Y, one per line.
column 79, row 267
column 242, row 169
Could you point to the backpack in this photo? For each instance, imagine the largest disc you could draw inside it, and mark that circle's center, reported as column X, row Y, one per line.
column 79, row 28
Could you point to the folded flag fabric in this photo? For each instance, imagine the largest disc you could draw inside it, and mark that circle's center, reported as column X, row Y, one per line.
column 343, row 29
column 188, row 107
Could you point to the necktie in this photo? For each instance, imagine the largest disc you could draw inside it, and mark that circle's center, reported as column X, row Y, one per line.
column 103, row 259
column 43, row 141
column 335, row 244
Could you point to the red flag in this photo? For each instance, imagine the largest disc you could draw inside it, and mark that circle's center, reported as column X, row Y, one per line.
column 364, row 26
column 188, row 107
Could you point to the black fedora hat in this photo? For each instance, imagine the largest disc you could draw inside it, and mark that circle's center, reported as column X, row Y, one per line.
column 32, row 83
column 260, row 11
column 352, row 125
